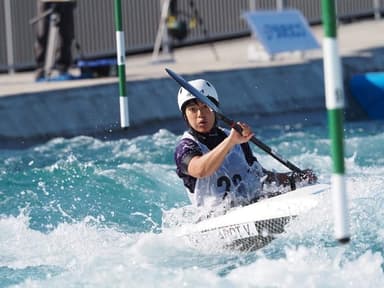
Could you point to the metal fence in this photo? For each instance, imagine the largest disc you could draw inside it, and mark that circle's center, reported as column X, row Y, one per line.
column 95, row 31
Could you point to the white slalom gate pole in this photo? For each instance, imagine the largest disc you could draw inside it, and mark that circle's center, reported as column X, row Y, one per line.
column 334, row 94
column 120, row 46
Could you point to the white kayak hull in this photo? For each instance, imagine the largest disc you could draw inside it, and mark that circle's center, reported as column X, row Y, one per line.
column 254, row 226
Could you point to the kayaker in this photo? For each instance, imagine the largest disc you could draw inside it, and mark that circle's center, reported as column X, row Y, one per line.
column 217, row 165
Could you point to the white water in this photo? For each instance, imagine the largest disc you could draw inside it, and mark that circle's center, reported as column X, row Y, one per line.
column 109, row 235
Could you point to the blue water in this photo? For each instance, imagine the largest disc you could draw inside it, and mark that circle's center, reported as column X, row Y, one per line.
column 83, row 212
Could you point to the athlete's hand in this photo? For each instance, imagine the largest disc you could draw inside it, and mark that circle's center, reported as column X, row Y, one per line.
column 309, row 176
column 245, row 136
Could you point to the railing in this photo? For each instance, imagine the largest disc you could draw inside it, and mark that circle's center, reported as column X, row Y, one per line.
column 95, row 24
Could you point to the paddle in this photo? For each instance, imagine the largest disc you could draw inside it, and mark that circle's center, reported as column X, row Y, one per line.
column 229, row 121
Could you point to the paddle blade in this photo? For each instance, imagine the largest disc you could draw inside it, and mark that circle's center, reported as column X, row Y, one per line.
column 183, row 83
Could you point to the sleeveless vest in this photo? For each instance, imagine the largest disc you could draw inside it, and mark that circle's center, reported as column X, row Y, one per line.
column 235, row 182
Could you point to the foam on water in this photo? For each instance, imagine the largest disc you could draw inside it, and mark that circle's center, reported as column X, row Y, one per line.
column 87, row 213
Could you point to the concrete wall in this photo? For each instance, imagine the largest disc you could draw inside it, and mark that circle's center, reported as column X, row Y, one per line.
column 94, row 110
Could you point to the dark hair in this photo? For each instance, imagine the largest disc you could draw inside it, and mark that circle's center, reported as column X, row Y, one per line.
column 194, row 100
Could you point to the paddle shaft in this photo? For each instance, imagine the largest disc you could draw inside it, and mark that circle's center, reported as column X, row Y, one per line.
column 229, row 121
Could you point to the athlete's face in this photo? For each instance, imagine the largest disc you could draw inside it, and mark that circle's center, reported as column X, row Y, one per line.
column 200, row 117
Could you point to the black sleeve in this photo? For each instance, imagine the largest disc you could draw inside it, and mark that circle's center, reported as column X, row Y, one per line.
column 186, row 149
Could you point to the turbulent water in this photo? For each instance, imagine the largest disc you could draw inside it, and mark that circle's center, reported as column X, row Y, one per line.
column 83, row 212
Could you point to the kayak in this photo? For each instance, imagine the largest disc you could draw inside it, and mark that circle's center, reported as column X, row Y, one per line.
column 254, row 226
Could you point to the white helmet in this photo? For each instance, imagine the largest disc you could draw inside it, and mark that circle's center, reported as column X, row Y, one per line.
column 200, row 84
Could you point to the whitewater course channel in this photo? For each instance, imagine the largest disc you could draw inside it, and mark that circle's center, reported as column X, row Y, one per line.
column 82, row 202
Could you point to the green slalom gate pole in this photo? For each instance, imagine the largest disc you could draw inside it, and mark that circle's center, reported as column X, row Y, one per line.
column 120, row 46
column 334, row 98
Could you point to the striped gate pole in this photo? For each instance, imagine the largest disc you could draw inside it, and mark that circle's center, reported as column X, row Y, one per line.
column 120, row 46
column 334, row 99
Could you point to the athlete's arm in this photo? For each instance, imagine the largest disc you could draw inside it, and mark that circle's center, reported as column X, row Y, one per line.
column 205, row 165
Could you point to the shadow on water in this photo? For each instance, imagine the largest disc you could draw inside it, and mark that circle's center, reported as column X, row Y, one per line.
column 176, row 126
